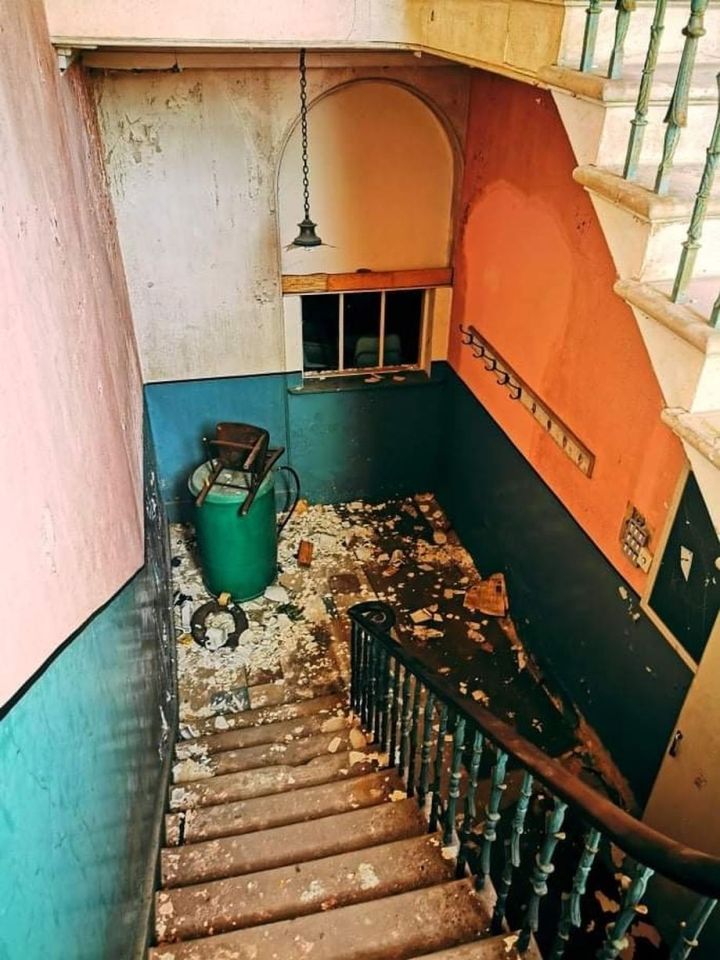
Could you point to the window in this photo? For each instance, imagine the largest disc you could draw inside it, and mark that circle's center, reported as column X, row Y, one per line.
column 358, row 332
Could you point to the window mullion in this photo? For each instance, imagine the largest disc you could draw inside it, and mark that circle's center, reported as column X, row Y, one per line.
column 341, row 332
column 381, row 344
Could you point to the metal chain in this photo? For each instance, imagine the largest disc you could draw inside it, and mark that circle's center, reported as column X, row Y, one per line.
column 304, row 129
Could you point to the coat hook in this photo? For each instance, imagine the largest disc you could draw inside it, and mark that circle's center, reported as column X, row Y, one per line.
column 466, row 335
column 478, row 350
column 491, row 364
column 502, row 377
column 516, row 388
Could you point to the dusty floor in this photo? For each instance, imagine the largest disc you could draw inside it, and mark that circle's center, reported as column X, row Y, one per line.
column 402, row 552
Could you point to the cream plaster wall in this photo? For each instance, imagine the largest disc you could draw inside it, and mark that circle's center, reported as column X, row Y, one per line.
column 193, row 161
column 381, row 183
column 70, row 393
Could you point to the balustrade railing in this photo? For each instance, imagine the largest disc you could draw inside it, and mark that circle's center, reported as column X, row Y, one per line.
column 440, row 739
column 676, row 117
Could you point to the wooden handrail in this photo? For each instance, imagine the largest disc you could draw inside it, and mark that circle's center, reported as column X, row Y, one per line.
column 684, row 865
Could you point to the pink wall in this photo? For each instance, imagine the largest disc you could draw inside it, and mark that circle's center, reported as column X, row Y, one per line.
column 534, row 275
column 70, row 391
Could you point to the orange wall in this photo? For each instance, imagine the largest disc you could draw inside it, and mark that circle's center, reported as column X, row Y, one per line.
column 534, row 275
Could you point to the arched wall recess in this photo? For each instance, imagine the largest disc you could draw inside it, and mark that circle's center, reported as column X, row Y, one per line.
column 381, row 183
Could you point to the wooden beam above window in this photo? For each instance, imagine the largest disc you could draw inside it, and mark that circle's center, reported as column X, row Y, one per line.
column 366, row 280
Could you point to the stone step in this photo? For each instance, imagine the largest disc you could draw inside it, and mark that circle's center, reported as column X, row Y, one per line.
column 645, row 231
column 203, row 698
column 264, row 850
column 492, row 948
column 393, row 928
column 268, row 755
column 597, row 112
column 294, row 806
column 676, row 17
column 266, row 781
column 306, row 707
column 300, row 889
column 283, row 731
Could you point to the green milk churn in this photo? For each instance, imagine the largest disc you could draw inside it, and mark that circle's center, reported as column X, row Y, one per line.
column 238, row 547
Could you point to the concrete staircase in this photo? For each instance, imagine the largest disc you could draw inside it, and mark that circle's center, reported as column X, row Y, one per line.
column 287, row 838
column 645, row 231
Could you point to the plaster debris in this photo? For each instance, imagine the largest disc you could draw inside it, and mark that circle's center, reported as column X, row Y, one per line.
column 277, row 594
column 367, row 877
column 623, row 593
column 334, row 745
column 316, row 891
column 481, row 697
column 607, row 905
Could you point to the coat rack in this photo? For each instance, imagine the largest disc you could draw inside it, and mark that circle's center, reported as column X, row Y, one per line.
column 519, row 391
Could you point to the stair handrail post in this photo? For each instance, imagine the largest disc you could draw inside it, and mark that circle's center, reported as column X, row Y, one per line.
column 639, row 122
column 690, row 936
column 676, row 116
column 697, row 219
column 625, row 9
column 592, row 17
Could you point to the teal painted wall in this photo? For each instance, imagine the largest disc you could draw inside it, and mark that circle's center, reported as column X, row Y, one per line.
column 374, row 441
column 80, row 757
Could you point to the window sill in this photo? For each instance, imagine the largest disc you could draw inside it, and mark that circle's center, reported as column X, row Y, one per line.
column 346, row 384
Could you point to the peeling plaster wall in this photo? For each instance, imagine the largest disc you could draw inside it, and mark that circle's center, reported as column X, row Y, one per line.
column 80, row 759
column 70, row 439
column 193, row 160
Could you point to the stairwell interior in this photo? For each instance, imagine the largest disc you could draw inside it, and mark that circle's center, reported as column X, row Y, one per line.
column 510, row 332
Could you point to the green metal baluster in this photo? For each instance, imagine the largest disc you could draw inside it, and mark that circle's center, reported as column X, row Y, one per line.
column 455, row 773
column 715, row 314
column 615, row 940
column 512, row 852
column 692, row 243
column 414, row 732
column 676, row 116
column 640, row 121
column 355, row 648
column 405, row 724
column 470, row 802
column 371, row 684
column 492, row 816
column 437, row 773
column 688, row 940
column 362, row 675
column 389, row 699
column 424, row 781
column 394, row 715
column 541, row 872
column 379, row 725
column 590, row 39
column 571, row 916
column 622, row 22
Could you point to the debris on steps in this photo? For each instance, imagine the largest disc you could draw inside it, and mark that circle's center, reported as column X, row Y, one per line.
column 283, row 731
column 293, row 891
column 495, row 948
column 294, row 806
column 269, row 780
column 257, row 716
column 235, row 856
column 392, row 928
column 265, row 755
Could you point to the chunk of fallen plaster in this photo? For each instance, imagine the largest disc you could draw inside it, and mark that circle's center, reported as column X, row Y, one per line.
column 421, row 616
column 481, row 697
column 357, row 739
column 276, row 593
column 334, row 745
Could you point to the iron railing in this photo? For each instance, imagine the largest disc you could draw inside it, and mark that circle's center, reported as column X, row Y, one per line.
column 676, row 117
column 437, row 738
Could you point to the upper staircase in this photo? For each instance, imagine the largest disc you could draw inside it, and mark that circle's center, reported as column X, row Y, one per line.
column 637, row 85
